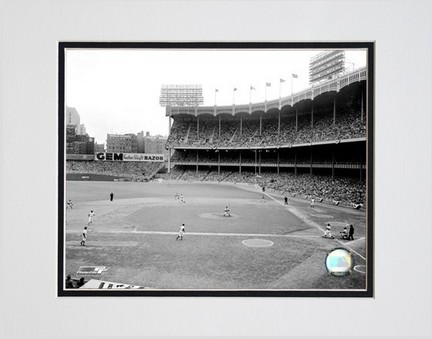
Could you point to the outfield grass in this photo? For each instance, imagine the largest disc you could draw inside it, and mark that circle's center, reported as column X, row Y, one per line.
column 134, row 237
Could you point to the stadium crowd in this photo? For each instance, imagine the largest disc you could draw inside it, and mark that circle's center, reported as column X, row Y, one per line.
column 323, row 188
column 348, row 125
column 132, row 170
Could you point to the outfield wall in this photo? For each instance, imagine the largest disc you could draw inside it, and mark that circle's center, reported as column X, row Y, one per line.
column 93, row 177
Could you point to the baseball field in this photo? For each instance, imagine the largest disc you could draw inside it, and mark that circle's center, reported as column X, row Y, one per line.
column 263, row 244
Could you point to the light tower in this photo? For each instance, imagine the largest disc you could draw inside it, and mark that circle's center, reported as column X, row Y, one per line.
column 180, row 96
column 326, row 65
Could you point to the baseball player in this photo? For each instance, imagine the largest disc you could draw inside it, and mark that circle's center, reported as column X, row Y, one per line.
column 181, row 232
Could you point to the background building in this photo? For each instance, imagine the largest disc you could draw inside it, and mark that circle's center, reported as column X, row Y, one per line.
column 77, row 140
column 141, row 144
column 154, row 144
column 122, row 143
column 72, row 116
column 99, row 148
column 81, row 130
column 78, row 144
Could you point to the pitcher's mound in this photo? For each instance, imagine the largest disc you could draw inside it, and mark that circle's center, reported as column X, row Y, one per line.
column 217, row 216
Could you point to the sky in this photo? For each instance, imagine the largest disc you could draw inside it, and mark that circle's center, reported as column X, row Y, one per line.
column 117, row 90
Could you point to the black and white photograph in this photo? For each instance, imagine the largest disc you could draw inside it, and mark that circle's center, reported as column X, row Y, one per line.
column 216, row 169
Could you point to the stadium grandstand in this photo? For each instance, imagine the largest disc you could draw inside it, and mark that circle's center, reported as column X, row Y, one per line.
column 311, row 144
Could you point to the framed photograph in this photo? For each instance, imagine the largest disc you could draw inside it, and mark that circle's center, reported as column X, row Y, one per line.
column 231, row 169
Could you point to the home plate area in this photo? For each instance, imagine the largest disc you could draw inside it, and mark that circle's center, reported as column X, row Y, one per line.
column 257, row 243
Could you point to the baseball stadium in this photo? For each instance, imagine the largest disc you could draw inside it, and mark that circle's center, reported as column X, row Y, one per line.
column 265, row 193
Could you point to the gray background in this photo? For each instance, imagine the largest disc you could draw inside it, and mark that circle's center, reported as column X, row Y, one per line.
column 30, row 31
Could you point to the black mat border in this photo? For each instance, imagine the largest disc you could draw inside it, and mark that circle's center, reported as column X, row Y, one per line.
column 368, row 292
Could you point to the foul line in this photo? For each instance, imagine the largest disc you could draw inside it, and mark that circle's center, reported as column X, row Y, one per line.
column 203, row 233
column 298, row 214
column 350, row 242
column 310, row 222
column 344, row 245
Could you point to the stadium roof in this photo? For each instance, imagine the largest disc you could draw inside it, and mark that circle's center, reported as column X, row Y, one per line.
column 332, row 85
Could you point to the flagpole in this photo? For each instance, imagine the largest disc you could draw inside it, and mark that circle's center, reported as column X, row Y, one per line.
column 280, row 84
column 280, row 95
column 291, row 83
column 250, row 94
column 215, row 96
